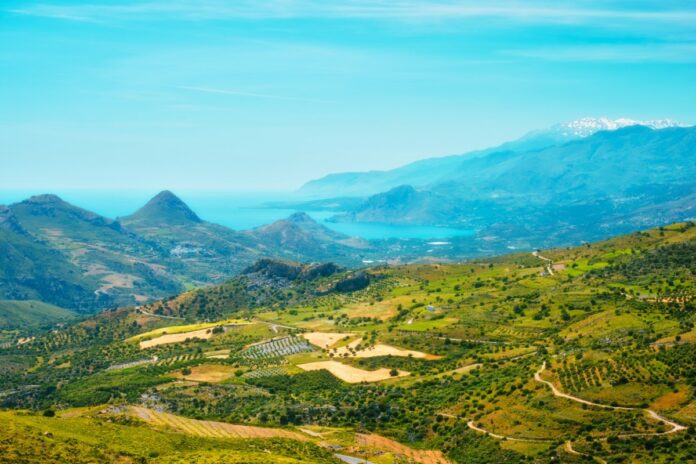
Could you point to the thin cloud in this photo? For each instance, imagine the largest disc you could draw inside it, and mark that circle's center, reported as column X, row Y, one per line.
column 238, row 93
column 536, row 12
column 629, row 53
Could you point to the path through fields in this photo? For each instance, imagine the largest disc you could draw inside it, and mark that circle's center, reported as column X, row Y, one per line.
column 556, row 392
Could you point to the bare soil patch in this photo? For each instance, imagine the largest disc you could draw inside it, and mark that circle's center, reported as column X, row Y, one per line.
column 351, row 374
column 203, row 334
column 325, row 339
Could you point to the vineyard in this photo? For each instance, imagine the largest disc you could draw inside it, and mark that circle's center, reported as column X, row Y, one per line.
column 576, row 377
column 126, row 365
column 183, row 358
column 266, row 372
column 276, row 348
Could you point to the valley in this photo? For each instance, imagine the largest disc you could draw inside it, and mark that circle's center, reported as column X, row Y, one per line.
column 563, row 355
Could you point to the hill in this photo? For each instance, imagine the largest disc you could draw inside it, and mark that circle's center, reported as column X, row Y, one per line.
column 165, row 208
column 31, row 268
column 114, row 265
column 561, row 355
column 300, row 237
column 31, row 314
column 64, row 255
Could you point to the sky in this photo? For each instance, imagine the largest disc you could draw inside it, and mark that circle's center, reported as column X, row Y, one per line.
column 248, row 95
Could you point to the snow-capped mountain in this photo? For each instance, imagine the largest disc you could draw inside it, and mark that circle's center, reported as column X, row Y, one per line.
column 584, row 127
column 433, row 170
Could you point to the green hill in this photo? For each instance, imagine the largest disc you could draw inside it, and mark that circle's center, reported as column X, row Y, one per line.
column 563, row 355
column 64, row 255
column 165, row 208
column 25, row 314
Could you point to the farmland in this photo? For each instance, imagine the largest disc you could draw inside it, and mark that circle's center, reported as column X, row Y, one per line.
column 351, row 374
column 428, row 363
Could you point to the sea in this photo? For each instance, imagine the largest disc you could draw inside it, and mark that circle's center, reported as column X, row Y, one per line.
column 238, row 210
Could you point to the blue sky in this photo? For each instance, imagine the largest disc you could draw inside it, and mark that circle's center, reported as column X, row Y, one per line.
column 266, row 95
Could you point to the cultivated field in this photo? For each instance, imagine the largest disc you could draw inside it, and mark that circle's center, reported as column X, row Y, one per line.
column 325, row 339
column 203, row 334
column 212, row 373
column 380, row 349
column 216, row 429
column 351, row 374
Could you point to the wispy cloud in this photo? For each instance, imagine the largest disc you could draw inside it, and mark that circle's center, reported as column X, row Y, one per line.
column 615, row 53
column 540, row 11
column 239, row 93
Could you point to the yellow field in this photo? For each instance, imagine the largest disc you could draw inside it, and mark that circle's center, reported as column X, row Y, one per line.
column 351, row 374
column 218, row 354
column 203, row 334
column 207, row 373
column 325, row 339
column 185, row 328
column 380, row 349
column 202, row 428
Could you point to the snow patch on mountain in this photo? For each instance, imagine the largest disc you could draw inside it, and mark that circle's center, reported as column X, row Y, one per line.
column 584, row 127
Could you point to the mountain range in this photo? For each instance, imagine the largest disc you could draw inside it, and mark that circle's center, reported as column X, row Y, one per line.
column 579, row 181
column 58, row 253
column 431, row 171
column 575, row 182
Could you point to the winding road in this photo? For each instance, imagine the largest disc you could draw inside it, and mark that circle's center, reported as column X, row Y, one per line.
column 568, row 446
column 556, row 392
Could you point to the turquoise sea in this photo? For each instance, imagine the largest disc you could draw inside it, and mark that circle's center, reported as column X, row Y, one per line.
column 235, row 209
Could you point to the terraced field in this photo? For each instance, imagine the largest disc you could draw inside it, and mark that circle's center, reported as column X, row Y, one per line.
column 200, row 428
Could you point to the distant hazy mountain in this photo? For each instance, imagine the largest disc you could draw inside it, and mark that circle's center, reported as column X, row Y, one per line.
column 600, row 184
column 301, row 237
column 436, row 170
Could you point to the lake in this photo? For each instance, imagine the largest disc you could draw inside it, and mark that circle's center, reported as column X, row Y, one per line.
column 237, row 210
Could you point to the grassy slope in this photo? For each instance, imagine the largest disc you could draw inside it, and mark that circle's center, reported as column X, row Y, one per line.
column 31, row 314
column 27, row 438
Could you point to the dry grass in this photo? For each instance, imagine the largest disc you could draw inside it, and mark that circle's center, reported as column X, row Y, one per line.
column 325, row 339
column 379, row 350
column 202, row 428
column 218, row 354
column 672, row 399
column 351, row 374
column 385, row 444
column 207, row 373
column 203, row 334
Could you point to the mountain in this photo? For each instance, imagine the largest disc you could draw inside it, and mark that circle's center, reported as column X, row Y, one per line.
column 202, row 251
column 31, row 269
column 60, row 254
column 164, row 208
column 436, row 170
column 299, row 237
column 584, row 189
